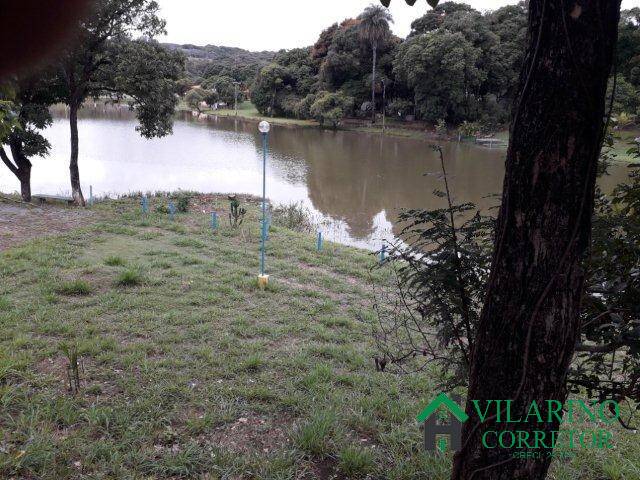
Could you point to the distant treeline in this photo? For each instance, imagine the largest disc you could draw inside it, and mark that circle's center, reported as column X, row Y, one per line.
column 457, row 65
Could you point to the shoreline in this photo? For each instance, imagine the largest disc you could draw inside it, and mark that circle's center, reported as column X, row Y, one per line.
column 620, row 148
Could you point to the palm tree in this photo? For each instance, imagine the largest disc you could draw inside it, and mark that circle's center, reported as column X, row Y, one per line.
column 374, row 29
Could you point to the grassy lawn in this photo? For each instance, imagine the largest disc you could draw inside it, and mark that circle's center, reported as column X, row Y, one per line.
column 248, row 111
column 187, row 370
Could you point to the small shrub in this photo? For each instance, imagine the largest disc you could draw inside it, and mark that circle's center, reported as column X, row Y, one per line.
column 74, row 287
column 129, row 278
column 114, row 261
column 355, row 462
column 293, row 216
column 236, row 213
column 182, row 203
column 441, row 127
column 73, row 368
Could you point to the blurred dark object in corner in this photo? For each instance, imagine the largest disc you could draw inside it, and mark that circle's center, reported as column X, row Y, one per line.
column 32, row 30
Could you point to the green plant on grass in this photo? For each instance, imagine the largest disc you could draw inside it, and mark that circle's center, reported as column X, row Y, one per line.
column 182, row 203
column 317, row 435
column 4, row 304
column 294, row 216
column 70, row 351
column 236, row 213
column 355, row 462
column 189, row 242
column 252, row 363
column 129, row 278
column 114, row 261
column 74, row 287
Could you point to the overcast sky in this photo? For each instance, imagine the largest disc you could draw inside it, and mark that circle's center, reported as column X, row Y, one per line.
column 277, row 24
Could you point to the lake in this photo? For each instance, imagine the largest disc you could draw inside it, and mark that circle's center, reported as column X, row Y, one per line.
column 354, row 184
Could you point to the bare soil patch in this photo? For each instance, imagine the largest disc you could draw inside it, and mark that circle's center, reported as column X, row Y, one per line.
column 22, row 222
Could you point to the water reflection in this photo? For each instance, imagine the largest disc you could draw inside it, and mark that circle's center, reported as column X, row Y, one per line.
column 357, row 181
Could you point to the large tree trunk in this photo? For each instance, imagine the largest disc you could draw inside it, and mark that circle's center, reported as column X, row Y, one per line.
column 530, row 321
column 76, row 189
column 373, row 83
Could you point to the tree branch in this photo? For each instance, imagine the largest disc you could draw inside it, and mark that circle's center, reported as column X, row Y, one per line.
column 7, row 161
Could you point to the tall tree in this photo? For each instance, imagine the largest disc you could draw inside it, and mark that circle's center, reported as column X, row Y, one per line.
column 424, row 61
column 30, row 98
column 103, row 60
column 374, row 28
column 530, row 321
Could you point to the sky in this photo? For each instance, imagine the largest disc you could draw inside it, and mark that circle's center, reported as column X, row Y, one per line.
column 277, row 24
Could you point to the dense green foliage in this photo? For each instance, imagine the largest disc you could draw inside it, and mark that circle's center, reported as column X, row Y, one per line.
column 457, row 65
column 478, row 54
column 226, row 88
column 329, row 108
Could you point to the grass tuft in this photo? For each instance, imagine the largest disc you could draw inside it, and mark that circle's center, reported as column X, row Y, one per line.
column 129, row 278
column 356, row 462
column 114, row 261
column 5, row 304
column 316, row 435
column 74, row 287
column 252, row 364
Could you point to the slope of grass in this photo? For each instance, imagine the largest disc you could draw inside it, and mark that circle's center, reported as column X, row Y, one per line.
column 248, row 111
column 191, row 371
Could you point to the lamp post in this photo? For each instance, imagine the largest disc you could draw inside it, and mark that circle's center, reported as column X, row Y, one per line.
column 264, row 128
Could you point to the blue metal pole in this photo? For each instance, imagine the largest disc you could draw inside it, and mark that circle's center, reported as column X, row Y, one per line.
column 383, row 254
column 319, row 241
column 264, row 201
column 214, row 220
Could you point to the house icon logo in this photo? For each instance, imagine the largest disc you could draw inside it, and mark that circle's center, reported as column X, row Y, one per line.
column 457, row 416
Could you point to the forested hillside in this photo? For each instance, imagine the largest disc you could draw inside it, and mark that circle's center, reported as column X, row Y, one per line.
column 212, row 59
column 358, row 67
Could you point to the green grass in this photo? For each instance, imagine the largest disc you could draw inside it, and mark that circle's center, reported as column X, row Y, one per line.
column 248, row 111
column 188, row 370
column 129, row 278
column 74, row 287
column 114, row 261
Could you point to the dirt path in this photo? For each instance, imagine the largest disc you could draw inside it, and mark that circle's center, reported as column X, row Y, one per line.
column 19, row 223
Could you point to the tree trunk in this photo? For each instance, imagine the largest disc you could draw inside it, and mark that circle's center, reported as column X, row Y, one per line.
column 530, row 321
column 76, row 189
column 373, row 83
column 20, row 167
column 24, row 175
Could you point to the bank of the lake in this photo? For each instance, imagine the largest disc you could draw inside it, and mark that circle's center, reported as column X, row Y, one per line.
column 188, row 370
column 248, row 112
